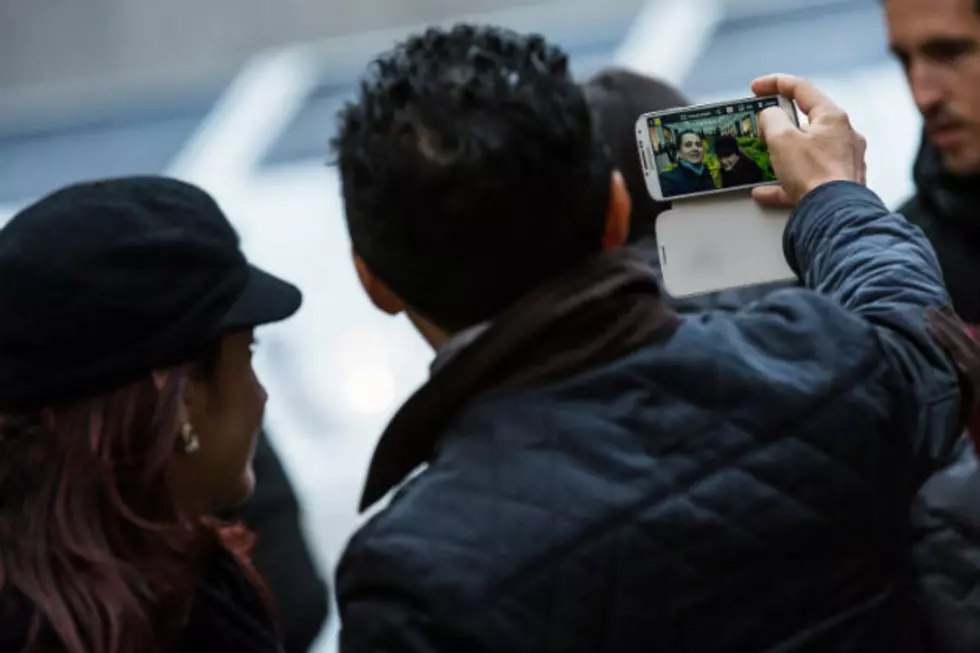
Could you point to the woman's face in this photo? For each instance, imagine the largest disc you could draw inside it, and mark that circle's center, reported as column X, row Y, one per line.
column 224, row 409
column 692, row 150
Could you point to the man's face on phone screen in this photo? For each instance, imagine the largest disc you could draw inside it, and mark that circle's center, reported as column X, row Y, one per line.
column 691, row 149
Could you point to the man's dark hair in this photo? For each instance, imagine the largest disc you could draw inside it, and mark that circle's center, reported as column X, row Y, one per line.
column 617, row 98
column 471, row 171
column 681, row 135
column 726, row 146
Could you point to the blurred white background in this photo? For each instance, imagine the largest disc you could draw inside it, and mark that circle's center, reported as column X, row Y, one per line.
column 248, row 114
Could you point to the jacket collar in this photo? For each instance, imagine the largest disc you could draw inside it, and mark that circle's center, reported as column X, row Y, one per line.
column 954, row 199
column 590, row 316
column 456, row 344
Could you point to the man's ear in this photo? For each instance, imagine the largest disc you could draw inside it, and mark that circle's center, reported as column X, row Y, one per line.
column 380, row 295
column 617, row 214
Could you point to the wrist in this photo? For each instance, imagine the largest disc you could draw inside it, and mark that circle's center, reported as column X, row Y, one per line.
column 814, row 184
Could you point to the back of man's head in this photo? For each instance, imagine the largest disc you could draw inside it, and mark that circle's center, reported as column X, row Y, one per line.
column 471, row 172
column 617, row 98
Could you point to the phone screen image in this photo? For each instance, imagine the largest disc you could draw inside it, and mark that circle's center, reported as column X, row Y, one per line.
column 706, row 149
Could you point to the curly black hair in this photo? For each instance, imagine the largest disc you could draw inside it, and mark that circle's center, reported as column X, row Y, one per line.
column 471, row 171
column 726, row 145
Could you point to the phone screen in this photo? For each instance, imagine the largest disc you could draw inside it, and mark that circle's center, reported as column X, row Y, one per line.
column 702, row 150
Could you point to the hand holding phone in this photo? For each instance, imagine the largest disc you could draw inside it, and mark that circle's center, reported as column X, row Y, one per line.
column 829, row 149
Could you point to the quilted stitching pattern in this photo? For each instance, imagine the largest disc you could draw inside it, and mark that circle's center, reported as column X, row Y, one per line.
column 678, row 515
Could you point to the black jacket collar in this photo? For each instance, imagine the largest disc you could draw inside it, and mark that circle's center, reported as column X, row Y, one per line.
column 950, row 198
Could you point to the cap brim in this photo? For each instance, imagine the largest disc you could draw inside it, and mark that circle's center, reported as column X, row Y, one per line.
column 265, row 299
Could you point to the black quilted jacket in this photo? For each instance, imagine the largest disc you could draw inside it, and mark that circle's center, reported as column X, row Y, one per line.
column 741, row 486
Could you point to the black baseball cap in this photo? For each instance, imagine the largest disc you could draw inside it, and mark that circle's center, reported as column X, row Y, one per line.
column 105, row 281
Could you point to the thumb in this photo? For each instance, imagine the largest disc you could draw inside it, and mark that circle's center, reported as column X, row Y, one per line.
column 774, row 122
column 771, row 196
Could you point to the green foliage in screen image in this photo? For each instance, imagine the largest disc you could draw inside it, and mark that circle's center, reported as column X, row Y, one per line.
column 756, row 149
column 711, row 160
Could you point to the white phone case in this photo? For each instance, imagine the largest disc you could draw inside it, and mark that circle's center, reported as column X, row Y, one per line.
column 718, row 242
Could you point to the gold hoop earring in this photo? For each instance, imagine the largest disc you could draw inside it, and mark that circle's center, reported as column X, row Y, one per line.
column 189, row 437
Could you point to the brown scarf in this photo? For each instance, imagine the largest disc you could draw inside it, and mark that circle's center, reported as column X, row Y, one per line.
column 591, row 316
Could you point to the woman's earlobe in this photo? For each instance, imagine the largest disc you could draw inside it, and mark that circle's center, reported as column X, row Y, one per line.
column 189, row 438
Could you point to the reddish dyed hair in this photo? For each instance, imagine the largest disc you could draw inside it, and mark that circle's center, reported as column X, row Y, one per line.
column 94, row 546
column 973, row 416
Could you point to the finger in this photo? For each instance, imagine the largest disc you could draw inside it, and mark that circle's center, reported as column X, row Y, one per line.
column 771, row 196
column 941, row 338
column 944, row 326
column 773, row 84
column 953, row 339
column 936, row 333
column 807, row 97
column 947, row 316
column 940, row 328
column 962, row 361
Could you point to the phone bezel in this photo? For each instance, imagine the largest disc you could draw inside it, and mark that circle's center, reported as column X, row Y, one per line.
column 645, row 147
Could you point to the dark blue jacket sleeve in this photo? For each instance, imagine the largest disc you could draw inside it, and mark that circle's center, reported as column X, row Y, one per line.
column 386, row 600
column 385, row 624
column 844, row 243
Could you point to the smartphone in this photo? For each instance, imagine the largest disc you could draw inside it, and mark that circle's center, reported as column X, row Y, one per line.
column 707, row 149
